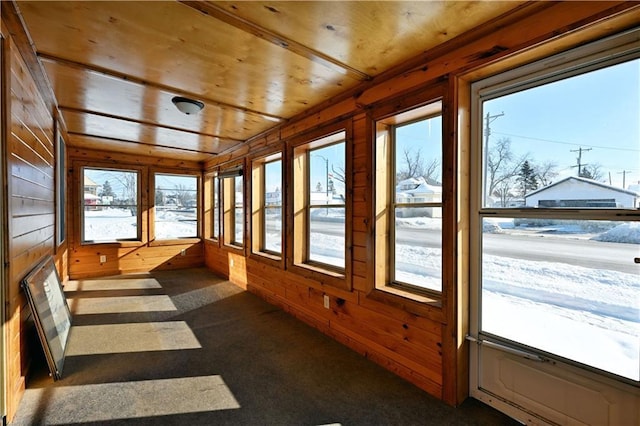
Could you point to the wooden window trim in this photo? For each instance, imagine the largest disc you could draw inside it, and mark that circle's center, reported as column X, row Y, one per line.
column 400, row 110
column 142, row 204
column 296, row 244
column 208, row 218
column 153, row 241
column 225, row 240
column 256, row 188
column 61, row 185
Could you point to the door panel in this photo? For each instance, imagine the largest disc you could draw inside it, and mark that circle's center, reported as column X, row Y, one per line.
column 553, row 392
column 555, row 289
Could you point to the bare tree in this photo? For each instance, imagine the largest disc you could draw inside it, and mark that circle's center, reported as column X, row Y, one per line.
column 546, row 172
column 592, row 171
column 339, row 174
column 129, row 183
column 414, row 167
column 504, row 190
column 502, row 167
column 183, row 194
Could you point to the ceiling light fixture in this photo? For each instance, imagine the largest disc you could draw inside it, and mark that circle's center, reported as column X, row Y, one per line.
column 186, row 105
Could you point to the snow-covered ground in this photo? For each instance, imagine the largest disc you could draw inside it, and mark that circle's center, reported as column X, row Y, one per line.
column 110, row 224
column 589, row 315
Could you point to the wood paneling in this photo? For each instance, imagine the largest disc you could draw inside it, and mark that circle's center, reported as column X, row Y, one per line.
column 370, row 39
column 31, row 209
column 93, row 50
column 128, row 256
column 422, row 342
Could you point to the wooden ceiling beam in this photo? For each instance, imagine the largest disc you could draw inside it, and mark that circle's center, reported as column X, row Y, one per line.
column 227, row 17
column 148, row 123
column 132, row 79
column 106, row 138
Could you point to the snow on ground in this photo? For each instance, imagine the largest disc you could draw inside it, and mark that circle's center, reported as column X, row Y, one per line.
column 628, row 232
column 111, row 224
column 588, row 315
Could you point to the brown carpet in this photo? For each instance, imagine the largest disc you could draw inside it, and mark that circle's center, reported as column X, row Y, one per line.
column 189, row 348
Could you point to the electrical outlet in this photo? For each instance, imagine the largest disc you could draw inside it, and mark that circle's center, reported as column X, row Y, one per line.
column 103, row 258
column 231, row 262
column 326, row 302
column 183, row 252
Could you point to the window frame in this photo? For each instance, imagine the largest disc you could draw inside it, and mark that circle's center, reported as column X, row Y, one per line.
column 153, row 240
column 122, row 242
column 381, row 288
column 228, row 173
column 61, row 188
column 576, row 62
column 258, row 209
column 298, row 204
column 215, row 208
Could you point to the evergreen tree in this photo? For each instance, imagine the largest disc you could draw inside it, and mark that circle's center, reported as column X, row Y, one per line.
column 585, row 173
column 107, row 191
column 527, row 178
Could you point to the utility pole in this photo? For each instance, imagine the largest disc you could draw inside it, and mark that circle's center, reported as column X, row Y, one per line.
column 624, row 178
column 487, row 132
column 579, row 151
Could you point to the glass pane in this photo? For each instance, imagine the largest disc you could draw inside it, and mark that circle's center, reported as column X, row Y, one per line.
column 327, row 230
column 327, row 175
column 272, row 225
column 238, row 237
column 273, row 229
column 110, row 205
column 176, row 202
column 570, row 143
column 570, row 288
column 61, row 191
column 418, row 154
column 216, row 208
column 418, row 247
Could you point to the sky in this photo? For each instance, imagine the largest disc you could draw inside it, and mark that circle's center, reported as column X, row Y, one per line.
column 598, row 111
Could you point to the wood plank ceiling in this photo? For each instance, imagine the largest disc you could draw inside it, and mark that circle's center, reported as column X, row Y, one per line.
column 114, row 66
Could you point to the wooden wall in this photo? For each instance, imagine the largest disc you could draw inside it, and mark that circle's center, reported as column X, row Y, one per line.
column 130, row 256
column 424, row 343
column 425, row 346
column 30, row 169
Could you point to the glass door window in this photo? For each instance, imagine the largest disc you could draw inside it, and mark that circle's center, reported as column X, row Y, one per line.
column 558, row 214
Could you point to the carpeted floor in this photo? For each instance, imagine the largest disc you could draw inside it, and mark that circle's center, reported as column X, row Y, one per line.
column 188, row 348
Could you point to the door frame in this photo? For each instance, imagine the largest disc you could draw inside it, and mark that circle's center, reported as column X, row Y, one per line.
column 533, row 363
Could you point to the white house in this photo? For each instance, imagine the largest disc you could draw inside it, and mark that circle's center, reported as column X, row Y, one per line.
column 575, row 191
column 411, row 191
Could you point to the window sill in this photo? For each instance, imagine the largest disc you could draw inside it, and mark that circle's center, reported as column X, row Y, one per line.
column 268, row 258
column 415, row 303
column 233, row 247
column 322, row 275
column 174, row 242
column 127, row 243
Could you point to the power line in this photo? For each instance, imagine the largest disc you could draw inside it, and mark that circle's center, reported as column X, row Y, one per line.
column 567, row 143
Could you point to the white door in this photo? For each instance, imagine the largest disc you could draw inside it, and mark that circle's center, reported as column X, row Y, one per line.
column 555, row 302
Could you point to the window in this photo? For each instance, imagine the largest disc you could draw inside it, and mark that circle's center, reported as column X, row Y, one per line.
column 176, row 206
column 233, row 207
column 319, row 203
column 409, row 200
column 267, row 202
column 215, row 232
column 61, row 190
column 110, row 205
column 558, row 166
